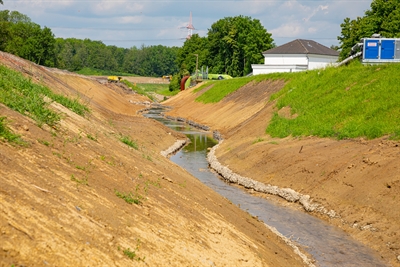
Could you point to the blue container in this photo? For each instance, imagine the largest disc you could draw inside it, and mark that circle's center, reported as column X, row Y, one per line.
column 381, row 50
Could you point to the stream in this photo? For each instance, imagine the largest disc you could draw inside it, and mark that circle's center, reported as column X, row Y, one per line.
column 328, row 245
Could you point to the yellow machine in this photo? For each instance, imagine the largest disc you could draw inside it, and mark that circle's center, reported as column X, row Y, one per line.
column 114, row 79
column 167, row 77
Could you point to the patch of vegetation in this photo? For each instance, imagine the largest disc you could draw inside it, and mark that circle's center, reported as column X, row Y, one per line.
column 57, row 154
column 183, row 184
column 97, row 72
column 128, row 141
column 147, row 157
column 154, row 183
column 137, row 89
column 8, row 135
column 111, row 123
column 130, row 197
column 83, row 181
column 258, row 140
column 91, row 137
column 82, row 168
column 44, row 142
column 24, row 96
column 72, row 104
column 346, row 102
column 158, row 88
column 132, row 254
column 222, row 88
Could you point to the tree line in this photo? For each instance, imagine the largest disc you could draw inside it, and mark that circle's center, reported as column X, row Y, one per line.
column 24, row 38
column 232, row 44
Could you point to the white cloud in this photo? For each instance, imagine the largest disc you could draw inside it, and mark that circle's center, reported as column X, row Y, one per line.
column 291, row 29
column 161, row 20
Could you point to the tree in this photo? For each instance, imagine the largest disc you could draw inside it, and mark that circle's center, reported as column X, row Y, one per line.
column 186, row 55
column 21, row 37
column 237, row 42
column 231, row 46
column 1, row 1
column 151, row 60
column 382, row 18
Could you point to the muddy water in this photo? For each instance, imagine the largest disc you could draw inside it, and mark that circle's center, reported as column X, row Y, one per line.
column 329, row 246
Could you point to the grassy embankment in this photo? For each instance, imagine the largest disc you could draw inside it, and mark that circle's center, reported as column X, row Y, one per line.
column 161, row 89
column 147, row 89
column 22, row 95
column 96, row 72
column 347, row 102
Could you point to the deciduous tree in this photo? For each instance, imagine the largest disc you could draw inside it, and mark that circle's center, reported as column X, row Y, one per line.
column 231, row 46
column 383, row 17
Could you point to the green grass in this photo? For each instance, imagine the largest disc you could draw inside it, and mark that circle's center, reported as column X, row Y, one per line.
column 7, row 135
column 347, row 102
column 97, row 72
column 130, row 197
column 84, row 181
column 91, row 137
column 132, row 254
column 137, row 89
column 258, row 140
column 44, row 142
column 128, row 141
column 158, row 88
column 24, row 96
column 222, row 88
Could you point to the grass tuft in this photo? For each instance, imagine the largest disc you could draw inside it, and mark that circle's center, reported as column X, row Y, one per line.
column 129, row 197
column 7, row 135
column 128, row 141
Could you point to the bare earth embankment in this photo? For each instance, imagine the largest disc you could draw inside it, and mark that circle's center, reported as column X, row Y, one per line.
column 355, row 184
column 62, row 197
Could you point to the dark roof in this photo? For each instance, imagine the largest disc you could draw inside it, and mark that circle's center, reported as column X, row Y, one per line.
column 300, row 46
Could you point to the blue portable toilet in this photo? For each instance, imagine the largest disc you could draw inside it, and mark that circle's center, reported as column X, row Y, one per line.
column 381, row 50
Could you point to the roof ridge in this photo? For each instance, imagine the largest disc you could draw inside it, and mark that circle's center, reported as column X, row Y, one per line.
column 302, row 46
column 300, row 41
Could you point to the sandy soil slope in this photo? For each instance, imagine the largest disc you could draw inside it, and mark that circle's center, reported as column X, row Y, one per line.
column 58, row 195
column 358, row 179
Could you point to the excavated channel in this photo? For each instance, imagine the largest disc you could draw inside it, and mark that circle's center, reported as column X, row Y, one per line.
column 329, row 246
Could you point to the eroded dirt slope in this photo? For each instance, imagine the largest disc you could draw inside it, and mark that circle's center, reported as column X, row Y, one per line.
column 358, row 179
column 62, row 196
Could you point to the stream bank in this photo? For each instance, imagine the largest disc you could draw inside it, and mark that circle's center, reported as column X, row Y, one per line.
column 328, row 245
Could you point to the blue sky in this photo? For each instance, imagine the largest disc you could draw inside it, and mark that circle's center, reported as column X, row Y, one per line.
column 127, row 23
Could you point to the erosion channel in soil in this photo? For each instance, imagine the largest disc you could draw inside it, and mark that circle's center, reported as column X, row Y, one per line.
column 329, row 246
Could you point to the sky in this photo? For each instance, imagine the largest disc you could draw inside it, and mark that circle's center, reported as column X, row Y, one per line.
column 128, row 23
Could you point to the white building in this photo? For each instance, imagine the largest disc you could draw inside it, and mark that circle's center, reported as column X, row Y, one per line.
column 297, row 55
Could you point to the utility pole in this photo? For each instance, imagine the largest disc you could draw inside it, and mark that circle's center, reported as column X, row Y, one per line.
column 197, row 64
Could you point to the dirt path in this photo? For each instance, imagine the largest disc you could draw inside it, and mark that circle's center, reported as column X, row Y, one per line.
column 358, row 179
column 63, row 198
